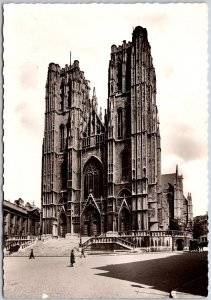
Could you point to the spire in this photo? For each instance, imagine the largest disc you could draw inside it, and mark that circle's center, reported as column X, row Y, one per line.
column 100, row 113
column 176, row 170
column 94, row 100
column 94, row 92
column 158, row 121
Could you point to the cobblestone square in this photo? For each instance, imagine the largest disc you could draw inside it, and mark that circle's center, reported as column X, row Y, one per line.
column 52, row 277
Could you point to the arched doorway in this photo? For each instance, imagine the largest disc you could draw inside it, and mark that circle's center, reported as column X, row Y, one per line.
column 180, row 244
column 91, row 221
column 62, row 230
column 124, row 208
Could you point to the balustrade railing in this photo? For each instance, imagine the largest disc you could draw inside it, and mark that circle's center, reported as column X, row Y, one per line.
column 127, row 243
column 107, row 240
column 15, row 242
column 141, row 233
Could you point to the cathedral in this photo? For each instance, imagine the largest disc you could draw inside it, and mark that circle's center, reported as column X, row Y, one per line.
column 103, row 174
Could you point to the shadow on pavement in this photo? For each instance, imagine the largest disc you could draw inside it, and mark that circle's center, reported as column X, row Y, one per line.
column 138, row 286
column 165, row 274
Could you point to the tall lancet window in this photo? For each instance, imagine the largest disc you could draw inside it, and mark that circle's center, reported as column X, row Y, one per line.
column 62, row 96
column 125, row 165
column 93, row 179
column 119, row 123
column 69, row 94
column 128, row 72
column 119, row 77
column 64, row 174
column 62, row 137
column 128, row 120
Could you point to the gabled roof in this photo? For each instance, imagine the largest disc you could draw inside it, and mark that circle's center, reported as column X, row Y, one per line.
column 167, row 179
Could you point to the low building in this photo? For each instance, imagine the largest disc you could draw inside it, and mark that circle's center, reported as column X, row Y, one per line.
column 19, row 219
column 200, row 228
column 180, row 207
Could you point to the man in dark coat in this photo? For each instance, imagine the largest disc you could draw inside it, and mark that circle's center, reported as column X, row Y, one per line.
column 31, row 254
column 72, row 258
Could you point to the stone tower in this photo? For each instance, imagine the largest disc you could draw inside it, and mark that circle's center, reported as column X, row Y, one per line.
column 69, row 118
column 134, row 153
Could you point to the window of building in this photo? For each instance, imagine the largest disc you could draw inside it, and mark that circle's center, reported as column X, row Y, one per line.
column 119, row 123
column 125, row 165
column 62, row 96
column 64, row 174
column 68, row 130
column 119, row 77
column 128, row 71
column 61, row 137
column 69, row 94
column 93, row 181
column 89, row 129
column 128, row 120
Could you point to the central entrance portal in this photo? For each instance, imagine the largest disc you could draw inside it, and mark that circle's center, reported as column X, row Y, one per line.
column 125, row 220
column 91, row 222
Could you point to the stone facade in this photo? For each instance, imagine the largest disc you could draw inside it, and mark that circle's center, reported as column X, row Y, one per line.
column 180, row 208
column 202, row 223
column 19, row 219
column 103, row 175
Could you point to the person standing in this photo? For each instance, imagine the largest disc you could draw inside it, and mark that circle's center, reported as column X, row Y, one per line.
column 72, row 258
column 82, row 253
column 31, row 254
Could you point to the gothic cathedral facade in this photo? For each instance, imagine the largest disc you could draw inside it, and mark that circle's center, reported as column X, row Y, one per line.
column 103, row 174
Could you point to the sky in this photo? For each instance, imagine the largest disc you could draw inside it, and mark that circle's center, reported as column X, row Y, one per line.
column 38, row 34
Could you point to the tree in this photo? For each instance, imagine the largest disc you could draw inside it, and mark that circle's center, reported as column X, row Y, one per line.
column 180, row 224
column 198, row 229
column 175, row 224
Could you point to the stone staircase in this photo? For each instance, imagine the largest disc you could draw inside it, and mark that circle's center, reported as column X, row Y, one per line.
column 51, row 247
column 109, row 244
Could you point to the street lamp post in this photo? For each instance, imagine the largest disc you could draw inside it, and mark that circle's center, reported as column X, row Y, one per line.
column 172, row 242
column 80, row 238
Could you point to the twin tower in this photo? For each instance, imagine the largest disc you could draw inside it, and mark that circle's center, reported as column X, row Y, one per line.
column 103, row 174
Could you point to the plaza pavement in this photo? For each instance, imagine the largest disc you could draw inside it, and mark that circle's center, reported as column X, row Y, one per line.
column 52, row 277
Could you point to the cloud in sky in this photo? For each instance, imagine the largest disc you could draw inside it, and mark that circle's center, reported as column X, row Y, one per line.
column 35, row 35
column 185, row 143
column 28, row 77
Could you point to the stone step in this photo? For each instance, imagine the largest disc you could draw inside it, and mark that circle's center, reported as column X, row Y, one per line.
column 50, row 247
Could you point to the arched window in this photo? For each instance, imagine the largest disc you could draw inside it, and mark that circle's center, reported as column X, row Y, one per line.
column 62, row 96
column 89, row 129
column 128, row 70
column 93, row 179
column 69, row 94
column 119, row 79
column 64, row 174
column 128, row 120
column 125, row 193
column 61, row 137
column 119, row 123
column 125, row 165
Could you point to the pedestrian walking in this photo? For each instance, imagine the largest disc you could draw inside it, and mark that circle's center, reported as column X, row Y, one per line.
column 72, row 258
column 82, row 253
column 31, row 254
